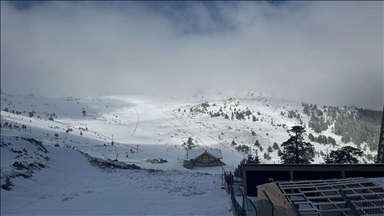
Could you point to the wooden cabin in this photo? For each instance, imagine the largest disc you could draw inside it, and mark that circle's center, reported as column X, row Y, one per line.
column 203, row 158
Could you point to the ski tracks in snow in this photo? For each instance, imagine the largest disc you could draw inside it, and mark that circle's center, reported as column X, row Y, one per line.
column 137, row 121
column 197, row 137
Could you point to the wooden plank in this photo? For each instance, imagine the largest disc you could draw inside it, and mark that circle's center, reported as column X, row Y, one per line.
column 281, row 204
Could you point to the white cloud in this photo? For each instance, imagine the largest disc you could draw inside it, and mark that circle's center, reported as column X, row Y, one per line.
column 325, row 52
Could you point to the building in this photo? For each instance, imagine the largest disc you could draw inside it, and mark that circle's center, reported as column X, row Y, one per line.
column 349, row 196
column 203, row 158
column 258, row 174
column 313, row 189
column 292, row 189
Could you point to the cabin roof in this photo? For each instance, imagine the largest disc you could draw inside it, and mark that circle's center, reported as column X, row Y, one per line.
column 194, row 153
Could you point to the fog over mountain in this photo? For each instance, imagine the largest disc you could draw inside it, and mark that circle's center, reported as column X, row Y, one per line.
column 322, row 52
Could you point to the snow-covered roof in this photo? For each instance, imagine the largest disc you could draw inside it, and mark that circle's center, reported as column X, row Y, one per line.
column 194, row 153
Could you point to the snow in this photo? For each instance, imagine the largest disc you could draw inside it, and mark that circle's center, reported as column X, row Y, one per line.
column 155, row 126
column 71, row 185
column 141, row 128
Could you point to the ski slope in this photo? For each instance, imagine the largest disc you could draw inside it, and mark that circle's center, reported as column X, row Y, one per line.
column 134, row 129
column 147, row 127
column 70, row 185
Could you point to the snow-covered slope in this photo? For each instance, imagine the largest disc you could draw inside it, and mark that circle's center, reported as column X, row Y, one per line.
column 142, row 128
column 70, row 185
column 48, row 138
column 146, row 127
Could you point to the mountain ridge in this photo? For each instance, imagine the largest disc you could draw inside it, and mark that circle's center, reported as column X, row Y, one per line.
column 243, row 117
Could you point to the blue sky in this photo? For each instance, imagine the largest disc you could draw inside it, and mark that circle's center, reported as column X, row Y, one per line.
column 322, row 52
column 172, row 10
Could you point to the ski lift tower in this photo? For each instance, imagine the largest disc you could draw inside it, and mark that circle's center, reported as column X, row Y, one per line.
column 380, row 150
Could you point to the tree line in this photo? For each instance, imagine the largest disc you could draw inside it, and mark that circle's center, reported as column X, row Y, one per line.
column 351, row 123
column 297, row 151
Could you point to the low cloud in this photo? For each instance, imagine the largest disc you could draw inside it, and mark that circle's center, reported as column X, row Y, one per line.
column 322, row 52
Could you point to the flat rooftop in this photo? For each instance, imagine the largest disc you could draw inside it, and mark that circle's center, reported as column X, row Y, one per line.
column 322, row 197
column 258, row 174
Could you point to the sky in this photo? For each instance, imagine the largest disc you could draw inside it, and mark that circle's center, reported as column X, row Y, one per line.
column 328, row 53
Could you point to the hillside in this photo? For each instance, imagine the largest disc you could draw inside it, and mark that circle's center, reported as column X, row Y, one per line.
column 57, row 152
column 147, row 127
column 61, row 181
column 248, row 117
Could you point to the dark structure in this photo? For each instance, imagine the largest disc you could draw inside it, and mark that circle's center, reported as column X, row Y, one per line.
column 348, row 196
column 258, row 174
column 203, row 158
column 380, row 150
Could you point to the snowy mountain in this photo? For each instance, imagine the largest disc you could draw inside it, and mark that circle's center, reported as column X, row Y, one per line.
column 145, row 127
column 48, row 140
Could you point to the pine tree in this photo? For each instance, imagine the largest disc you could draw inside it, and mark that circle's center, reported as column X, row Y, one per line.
column 257, row 159
column 311, row 137
column 190, row 143
column 8, row 184
column 295, row 150
column 275, row 146
column 261, row 148
column 239, row 170
column 249, row 158
column 253, row 160
column 345, row 155
column 327, row 158
column 267, row 156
